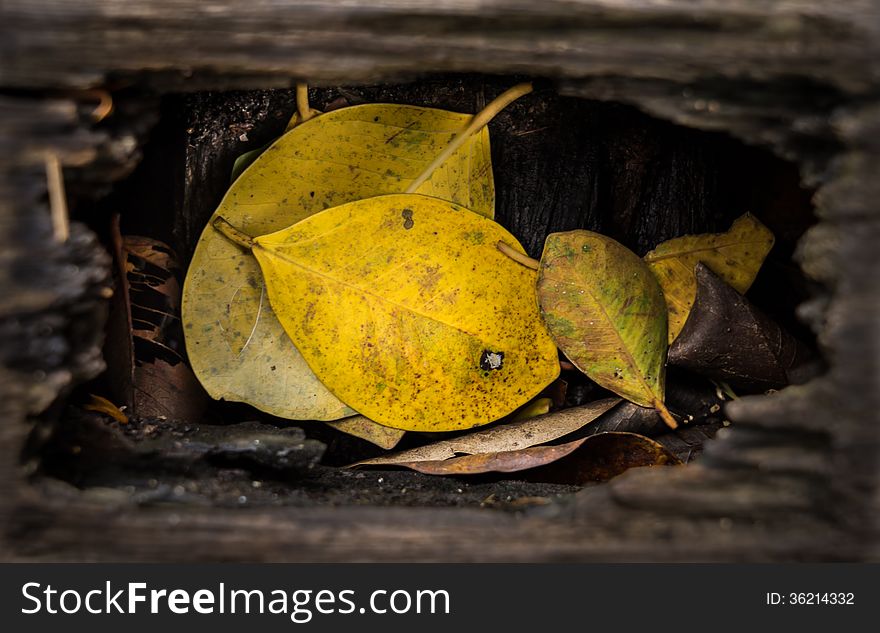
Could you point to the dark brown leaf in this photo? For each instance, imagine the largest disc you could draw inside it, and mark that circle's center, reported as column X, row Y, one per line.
column 147, row 369
column 604, row 456
column 728, row 339
column 686, row 443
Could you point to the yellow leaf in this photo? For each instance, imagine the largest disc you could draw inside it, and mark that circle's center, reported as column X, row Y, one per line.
column 364, row 428
column 735, row 256
column 405, row 309
column 235, row 344
column 539, row 406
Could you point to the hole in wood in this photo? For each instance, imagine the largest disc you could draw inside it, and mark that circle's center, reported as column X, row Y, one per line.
column 560, row 163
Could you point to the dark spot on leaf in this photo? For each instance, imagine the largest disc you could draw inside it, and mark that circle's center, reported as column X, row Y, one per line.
column 491, row 360
column 407, row 215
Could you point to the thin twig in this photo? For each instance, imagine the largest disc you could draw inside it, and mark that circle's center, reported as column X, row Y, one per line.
column 57, row 198
column 478, row 122
column 302, row 103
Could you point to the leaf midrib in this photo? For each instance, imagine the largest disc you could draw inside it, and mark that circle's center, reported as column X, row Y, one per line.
column 677, row 254
column 380, row 298
column 628, row 358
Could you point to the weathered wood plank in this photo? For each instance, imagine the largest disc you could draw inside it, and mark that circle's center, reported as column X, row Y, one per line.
column 48, row 43
column 595, row 528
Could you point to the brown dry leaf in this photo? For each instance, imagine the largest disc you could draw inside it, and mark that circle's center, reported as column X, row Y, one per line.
column 499, row 462
column 146, row 364
column 595, row 458
column 604, row 456
column 728, row 339
column 504, row 437
column 373, row 432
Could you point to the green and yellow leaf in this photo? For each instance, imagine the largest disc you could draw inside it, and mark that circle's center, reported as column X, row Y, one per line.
column 735, row 256
column 403, row 306
column 606, row 312
column 235, row 344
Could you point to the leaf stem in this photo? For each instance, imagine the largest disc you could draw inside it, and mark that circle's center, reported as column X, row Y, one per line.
column 302, row 103
column 477, row 122
column 57, row 198
column 664, row 413
column 518, row 257
column 231, row 233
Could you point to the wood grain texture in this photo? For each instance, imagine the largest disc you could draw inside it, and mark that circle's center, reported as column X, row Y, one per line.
column 796, row 478
column 267, row 39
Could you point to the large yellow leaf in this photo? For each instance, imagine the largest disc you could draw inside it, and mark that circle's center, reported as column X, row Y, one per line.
column 403, row 306
column 236, row 346
column 735, row 256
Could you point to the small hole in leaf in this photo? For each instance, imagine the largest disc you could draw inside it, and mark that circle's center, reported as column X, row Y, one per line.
column 491, row 360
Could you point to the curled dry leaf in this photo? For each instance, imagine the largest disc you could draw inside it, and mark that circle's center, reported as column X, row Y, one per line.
column 504, row 437
column 404, row 308
column 594, row 458
column 735, row 256
column 728, row 339
column 147, row 368
column 606, row 312
column 364, row 428
column 237, row 347
column 500, row 462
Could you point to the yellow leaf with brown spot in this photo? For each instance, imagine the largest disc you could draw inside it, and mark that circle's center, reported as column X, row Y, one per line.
column 403, row 306
column 235, row 344
column 735, row 256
